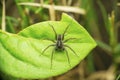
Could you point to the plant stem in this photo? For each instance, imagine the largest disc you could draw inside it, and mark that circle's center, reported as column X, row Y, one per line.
column 3, row 16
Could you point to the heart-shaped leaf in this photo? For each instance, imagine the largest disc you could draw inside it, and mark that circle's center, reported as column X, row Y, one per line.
column 21, row 55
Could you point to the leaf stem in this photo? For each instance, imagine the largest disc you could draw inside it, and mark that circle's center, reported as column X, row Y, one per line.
column 59, row 8
column 3, row 16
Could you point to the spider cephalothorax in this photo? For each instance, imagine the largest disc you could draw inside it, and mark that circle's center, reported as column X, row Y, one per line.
column 59, row 44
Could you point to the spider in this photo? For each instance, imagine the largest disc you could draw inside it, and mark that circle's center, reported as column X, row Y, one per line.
column 59, row 44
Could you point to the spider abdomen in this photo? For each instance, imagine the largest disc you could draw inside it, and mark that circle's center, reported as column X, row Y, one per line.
column 59, row 45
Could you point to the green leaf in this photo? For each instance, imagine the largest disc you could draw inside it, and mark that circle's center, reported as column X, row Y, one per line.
column 21, row 54
column 117, row 53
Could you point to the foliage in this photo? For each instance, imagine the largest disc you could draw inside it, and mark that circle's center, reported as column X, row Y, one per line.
column 101, row 21
column 23, row 52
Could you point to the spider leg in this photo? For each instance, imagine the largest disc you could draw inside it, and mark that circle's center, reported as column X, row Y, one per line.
column 67, row 56
column 71, row 49
column 52, row 58
column 47, row 48
column 54, row 31
column 66, row 30
column 50, row 40
column 69, row 39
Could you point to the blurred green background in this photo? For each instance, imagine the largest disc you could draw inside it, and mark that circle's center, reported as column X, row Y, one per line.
column 101, row 18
